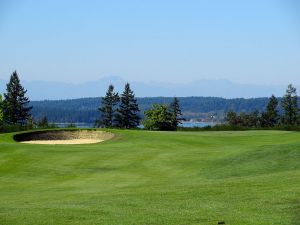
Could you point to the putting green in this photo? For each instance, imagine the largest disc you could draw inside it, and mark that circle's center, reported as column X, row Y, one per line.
column 141, row 177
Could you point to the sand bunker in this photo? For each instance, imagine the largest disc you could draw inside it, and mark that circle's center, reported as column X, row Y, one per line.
column 63, row 137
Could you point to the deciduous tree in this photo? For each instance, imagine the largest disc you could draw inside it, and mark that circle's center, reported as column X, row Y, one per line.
column 159, row 117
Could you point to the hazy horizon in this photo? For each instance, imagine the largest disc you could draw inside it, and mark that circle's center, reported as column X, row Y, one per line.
column 53, row 90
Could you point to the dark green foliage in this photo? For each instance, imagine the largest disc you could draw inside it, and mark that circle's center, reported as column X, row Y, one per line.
column 127, row 113
column 270, row 117
column 43, row 122
column 290, row 106
column 232, row 118
column 15, row 104
column 174, row 108
column 108, row 108
column 84, row 110
column 1, row 111
column 30, row 123
column 243, row 119
column 159, row 117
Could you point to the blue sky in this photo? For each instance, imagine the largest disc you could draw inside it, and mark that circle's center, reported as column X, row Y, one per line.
column 251, row 41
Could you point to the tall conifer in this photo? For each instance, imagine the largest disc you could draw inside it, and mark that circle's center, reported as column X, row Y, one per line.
column 176, row 112
column 127, row 113
column 270, row 117
column 108, row 108
column 15, row 104
column 290, row 106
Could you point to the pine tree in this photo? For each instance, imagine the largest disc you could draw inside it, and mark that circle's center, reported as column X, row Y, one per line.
column 43, row 122
column 127, row 113
column 290, row 106
column 232, row 118
column 16, row 110
column 270, row 117
column 1, row 110
column 108, row 108
column 176, row 112
column 30, row 123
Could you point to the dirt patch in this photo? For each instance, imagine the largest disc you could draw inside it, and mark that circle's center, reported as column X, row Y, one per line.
column 55, row 137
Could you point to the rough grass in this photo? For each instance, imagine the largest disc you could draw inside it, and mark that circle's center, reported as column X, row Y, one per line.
column 140, row 177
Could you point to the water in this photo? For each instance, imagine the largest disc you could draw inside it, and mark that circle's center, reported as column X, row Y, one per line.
column 78, row 125
column 183, row 124
column 197, row 124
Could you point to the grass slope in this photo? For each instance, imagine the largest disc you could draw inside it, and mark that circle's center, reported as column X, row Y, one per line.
column 140, row 177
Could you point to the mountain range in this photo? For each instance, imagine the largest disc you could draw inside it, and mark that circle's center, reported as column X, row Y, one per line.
column 41, row 90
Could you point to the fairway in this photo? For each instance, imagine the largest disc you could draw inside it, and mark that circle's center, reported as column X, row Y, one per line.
column 147, row 178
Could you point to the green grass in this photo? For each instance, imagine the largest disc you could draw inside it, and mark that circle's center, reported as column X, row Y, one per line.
column 145, row 178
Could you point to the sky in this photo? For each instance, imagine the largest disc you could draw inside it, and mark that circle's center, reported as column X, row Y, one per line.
column 175, row 41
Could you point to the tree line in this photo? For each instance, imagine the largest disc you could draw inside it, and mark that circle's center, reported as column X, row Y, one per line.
column 271, row 116
column 122, row 112
column 85, row 110
column 119, row 111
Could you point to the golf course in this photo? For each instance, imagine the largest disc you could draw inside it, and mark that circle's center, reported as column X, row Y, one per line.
column 162, row 178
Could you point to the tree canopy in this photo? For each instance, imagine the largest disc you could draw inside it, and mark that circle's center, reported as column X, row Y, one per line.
column 290, row 106
column 108, row 108
column 270, row 117
column 127, row 112
column 176, row 111
column 159, row 117
column 1, row 110
column 15, row 104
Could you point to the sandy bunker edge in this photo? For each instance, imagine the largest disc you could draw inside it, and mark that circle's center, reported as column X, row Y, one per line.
column 52, row 137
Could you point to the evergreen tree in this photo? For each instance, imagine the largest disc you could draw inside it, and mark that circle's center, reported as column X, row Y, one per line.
column 243, row 119
column 290, row 106
column 16, row 110
column 30, row 123
column 43, row 122
column 254, row 119
column 108, row 108
column 232, row 118
column 1, row 111
column 127, row 113
column 176, row 112
column 270, row 117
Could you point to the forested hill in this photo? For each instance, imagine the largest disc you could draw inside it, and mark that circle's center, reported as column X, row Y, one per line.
column 84, row 110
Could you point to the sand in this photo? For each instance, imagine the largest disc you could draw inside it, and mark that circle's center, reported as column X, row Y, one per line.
column 62, row 137
column 63, row 142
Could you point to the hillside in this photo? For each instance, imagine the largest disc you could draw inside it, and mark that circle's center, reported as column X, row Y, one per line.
column 84, row 110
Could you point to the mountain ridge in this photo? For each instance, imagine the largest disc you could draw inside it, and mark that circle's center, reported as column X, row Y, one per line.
column 53, row 90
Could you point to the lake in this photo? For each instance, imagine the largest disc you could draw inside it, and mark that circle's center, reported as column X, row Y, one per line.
column 183, row 124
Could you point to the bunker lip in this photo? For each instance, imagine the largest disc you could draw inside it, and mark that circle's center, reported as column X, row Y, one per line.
column 53, row 137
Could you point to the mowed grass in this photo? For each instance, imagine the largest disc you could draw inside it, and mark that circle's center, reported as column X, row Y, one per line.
column 140, row 177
